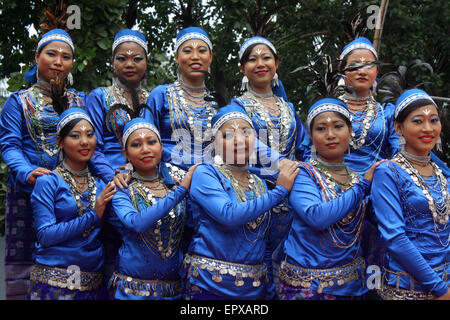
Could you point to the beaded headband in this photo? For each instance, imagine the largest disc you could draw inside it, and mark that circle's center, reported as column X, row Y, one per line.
column 56, row 37
column 130, row 38
column 69, row 117
column 190, row 36
column 410, row 99
column 230, row 116
column 327, row 107
column 255, row 40
column 137, row 126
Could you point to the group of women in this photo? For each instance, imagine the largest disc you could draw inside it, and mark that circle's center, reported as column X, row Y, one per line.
column 233, row 202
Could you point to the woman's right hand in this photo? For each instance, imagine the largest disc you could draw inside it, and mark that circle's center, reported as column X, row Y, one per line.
column 103, row 199
column 188, row 177
column 288, row 172
column 37, row 173
column 121, row 179
column 369, row 173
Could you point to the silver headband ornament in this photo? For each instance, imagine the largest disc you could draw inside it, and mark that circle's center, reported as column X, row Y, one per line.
column 56, row 37
column 227, row 117
column 255, row 41
column 72, row 116
column 410, row 99
column 137, row 126
column 190, row 36
column 328, row 107
column 358, row 45
column 130, row 38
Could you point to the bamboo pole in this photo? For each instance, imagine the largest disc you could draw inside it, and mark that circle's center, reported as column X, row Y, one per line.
column 380, row 24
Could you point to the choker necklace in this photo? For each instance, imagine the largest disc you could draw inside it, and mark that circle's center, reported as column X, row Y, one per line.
column 81, row 173
column 202, row 87
column 236, row 168
column 335, row 166
column 353, row 98
column 261, row 95
column 137, row 176
column 422, row 160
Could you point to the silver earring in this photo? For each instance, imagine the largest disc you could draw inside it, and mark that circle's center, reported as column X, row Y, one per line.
column 244, row 84
column 275, row 82
column 179, row 76
column 129, row 168
column 401, row 142
column 439, row 145
column 70, row 79
column 313, row 152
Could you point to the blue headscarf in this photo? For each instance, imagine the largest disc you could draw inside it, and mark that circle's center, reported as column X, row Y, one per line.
column 226, row 113
column 141, row 123
column 190, row 33
column 69, row 115
column 128, row 35
column 52, row 35
column 407, row 98
column 359, row 43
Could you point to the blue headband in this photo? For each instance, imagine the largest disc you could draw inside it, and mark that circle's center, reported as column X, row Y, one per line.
column 408, row 97
column 52, row 35
column 229, row 112
column 69, row 115
column 128, row 35
column 255, row 40
column 136, row 124
column 328, row 105
column 190, row 33
column 359, row 43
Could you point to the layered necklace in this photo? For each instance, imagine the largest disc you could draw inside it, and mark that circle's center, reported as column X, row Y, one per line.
column 352, row 224
column 278, row 129
column 185, row 103
column 439, row 207
column 370, row 114
column 253, row 183
column 68, row 176
column 165, row 236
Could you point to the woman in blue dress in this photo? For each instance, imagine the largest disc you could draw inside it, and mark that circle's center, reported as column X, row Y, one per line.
column 129, row 54
column 323, row 257
column 275, row 120
column 181, row 111
column 229, row 256
column 28, row 146
column 68, row 206
column 150, row 216
column 412, row 204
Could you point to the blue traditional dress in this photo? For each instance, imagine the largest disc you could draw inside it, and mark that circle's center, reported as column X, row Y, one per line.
column 108, row 132
column 28, row 141
column 185, row 129
column 413, row 214
column 69, row 254
column 323, row 258
column 282, row 133
column 149, row 260
column 229, row 256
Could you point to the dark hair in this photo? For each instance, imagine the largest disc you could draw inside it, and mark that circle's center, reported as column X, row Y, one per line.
column 410, row 108
column 247, row 52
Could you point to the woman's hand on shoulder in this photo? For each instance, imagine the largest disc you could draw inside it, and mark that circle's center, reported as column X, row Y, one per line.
column 288, row 172
column 188, row 177
column 369, row 174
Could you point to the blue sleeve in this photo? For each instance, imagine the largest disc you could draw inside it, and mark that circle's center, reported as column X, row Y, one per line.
column 393, row 146
column 306, row 200
column 11, row 122
column 49, row 231
column 208, row 191
column 300, row 137
column 155, row 101
column 391, row 223
column 141, row 221
column 95, row 108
